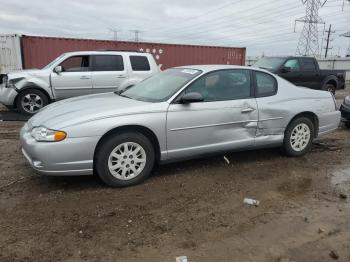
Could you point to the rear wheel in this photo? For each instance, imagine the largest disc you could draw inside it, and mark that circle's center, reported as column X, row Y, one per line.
column 124, row 159
column 298, row 137
column 330, row 88
column 30, row 101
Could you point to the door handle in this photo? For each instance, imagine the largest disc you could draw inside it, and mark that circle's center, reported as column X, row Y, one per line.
column 84, row 77
column 247, row 109
column 121, row 76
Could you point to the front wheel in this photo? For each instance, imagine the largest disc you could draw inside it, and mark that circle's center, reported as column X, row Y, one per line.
column 298, row 137
column 330, row 88
column 30, row 101
column 124, row 159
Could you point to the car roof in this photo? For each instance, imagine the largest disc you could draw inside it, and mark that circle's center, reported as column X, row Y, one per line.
column 106, row 52
column 209, row 68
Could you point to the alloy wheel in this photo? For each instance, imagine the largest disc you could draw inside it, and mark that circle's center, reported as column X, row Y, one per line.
column 31, row 103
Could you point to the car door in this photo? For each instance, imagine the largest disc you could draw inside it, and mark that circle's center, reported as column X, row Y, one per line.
column 226, row 119
column 311, row 76
column 108, row 73
column 294, row 75
column 271, row 115
column 75, row 78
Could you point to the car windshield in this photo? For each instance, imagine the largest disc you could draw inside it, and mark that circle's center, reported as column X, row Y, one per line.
column 269, row 62
column 161, row 86
column 53, row 62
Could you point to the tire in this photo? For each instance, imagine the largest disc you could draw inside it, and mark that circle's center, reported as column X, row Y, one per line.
column 105, row 164
column 347, row 124
column 303, row 125
column 330, row 88
column 30, row 101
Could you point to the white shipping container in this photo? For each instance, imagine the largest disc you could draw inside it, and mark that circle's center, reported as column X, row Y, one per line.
column 10, row 53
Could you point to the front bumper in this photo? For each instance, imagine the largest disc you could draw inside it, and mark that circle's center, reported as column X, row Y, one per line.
column 345, row 112
column 7, row 95
column 72, row 156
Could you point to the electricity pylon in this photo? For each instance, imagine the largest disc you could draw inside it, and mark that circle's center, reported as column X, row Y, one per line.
column 308, row 41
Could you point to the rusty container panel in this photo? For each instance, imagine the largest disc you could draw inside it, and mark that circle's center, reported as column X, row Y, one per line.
column 39, row 51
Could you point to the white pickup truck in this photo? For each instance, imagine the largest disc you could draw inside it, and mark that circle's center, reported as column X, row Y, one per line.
column 74, row 74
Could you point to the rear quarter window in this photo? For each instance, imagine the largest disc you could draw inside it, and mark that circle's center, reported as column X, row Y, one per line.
column 265, row 84
column 139, row 63
column 308, row 64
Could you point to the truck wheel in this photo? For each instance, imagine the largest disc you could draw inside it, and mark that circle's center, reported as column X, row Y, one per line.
column 125, row 159
column 298, row 137
column 330, row 88
column 30, row 101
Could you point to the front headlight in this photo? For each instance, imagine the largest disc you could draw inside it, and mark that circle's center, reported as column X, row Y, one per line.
column 347, row 100
column 43, row 134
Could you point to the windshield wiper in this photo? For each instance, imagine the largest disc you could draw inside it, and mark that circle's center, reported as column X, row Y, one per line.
column 119, row 92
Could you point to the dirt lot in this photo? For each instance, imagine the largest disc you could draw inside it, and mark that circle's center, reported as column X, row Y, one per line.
column 192, row 208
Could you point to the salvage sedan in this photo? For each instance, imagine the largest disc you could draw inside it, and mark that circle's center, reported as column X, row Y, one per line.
column 180, row 113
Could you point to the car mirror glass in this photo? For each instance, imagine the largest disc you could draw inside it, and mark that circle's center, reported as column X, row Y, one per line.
column 286, row 69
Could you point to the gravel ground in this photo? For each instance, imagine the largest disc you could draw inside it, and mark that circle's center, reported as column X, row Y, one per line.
column 192, row 208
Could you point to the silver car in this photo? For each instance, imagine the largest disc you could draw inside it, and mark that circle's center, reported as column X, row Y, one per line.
column 180, row 113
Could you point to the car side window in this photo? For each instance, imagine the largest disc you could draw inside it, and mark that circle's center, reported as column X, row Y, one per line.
column 76, row 64
column 308, row 64
column 293, row 64
column 223, row 85
column 266, row 85
column 139, row 63
column 108, row 63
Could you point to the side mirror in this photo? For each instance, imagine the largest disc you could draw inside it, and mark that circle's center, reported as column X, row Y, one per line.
column 286, row 69
column 58, row 69
column 192, row 97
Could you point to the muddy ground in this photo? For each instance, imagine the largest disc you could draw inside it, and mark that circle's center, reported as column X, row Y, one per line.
column 192, row 209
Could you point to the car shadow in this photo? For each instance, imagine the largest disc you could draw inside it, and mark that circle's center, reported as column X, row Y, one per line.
column 77, row 183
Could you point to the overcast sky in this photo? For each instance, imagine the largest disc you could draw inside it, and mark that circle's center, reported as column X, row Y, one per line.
column 263, row 26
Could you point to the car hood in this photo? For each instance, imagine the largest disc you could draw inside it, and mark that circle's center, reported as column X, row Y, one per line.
column 83, row 109
column 26, row 73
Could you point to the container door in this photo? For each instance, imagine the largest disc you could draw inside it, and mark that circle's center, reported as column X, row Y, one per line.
column 225, row 120
column 108, row 73
column 75, row 78
column 10, row 53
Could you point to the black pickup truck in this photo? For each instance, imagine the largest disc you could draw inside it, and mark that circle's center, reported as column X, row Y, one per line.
column 304, row 71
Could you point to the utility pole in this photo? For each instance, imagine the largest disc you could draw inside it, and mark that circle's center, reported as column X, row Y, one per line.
column 115, row 33
column 308, row 41
column 329, row 32
column 137, row 33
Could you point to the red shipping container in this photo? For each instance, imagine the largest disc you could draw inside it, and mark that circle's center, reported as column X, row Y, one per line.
column 39, row 51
